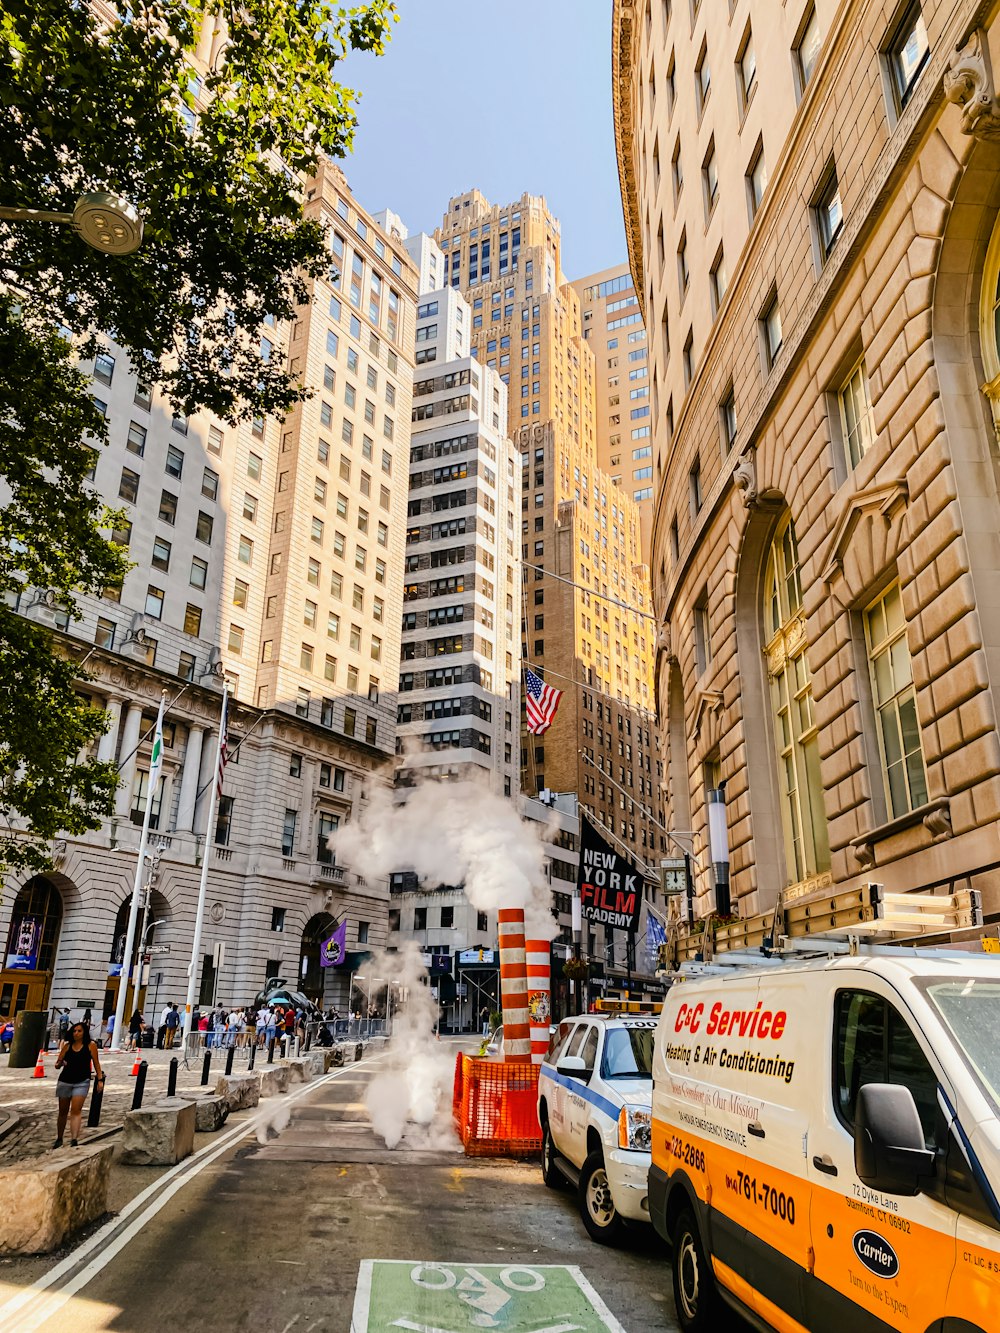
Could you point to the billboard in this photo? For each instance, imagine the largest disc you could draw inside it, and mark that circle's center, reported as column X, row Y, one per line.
column 609, row 885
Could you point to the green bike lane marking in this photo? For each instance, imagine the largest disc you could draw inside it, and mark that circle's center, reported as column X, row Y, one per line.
column 406, row 1294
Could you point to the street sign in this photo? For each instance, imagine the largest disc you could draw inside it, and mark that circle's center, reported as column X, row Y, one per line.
column 157, row 948
column 218, row 955
column 461, row 1298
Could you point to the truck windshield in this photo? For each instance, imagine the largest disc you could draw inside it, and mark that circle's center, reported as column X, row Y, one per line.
column 628, row 1052
column 970, row 1011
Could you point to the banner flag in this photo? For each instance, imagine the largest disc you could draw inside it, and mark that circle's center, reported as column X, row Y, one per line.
column 156, row 755
column 609, row 885
column 656, row 934
column 333, row 951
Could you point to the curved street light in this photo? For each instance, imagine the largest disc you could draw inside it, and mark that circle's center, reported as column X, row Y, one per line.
column 106, row 221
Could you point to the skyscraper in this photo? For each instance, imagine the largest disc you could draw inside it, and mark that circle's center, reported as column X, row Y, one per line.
column 586, row 615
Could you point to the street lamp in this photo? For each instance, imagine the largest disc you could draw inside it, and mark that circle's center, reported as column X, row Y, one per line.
column 107, row 222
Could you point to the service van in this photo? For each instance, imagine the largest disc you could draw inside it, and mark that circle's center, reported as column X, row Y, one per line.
column 826, row 1138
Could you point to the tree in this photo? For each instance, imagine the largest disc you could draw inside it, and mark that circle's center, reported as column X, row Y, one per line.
column 208, row 120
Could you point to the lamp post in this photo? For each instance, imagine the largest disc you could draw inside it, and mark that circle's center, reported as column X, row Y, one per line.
column 106, row 221
column 718, row 842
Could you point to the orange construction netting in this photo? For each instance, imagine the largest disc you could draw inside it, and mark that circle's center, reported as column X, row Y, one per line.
column 495, row 1106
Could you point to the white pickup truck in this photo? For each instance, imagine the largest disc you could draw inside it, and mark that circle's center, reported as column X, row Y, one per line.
column 594, row 1092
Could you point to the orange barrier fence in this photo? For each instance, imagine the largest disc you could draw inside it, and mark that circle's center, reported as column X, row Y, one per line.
column 496, row 1107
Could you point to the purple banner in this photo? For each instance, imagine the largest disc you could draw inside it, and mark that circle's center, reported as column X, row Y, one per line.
column 333, row 951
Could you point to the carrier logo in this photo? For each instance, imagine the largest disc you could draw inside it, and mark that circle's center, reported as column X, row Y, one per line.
column 876, row 1254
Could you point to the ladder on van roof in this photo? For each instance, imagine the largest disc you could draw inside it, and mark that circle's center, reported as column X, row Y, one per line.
column 865, row 913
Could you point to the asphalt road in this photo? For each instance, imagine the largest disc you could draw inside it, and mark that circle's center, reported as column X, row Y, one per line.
column 319, row 1227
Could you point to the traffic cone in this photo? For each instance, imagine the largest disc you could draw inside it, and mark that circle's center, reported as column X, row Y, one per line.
column 40, row 1066
column 135, row 1067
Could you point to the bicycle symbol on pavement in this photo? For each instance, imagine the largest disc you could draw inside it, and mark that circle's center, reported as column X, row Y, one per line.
column 425, row 1297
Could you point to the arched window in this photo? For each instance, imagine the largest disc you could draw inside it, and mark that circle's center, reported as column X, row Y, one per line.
column 807, row 847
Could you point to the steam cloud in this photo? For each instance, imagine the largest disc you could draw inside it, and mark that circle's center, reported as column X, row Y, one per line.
column 455, row 833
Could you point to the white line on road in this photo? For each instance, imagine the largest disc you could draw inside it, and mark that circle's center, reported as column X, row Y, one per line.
column 30, row 1308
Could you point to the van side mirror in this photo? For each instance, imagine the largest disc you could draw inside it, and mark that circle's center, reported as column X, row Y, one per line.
column 889, row 1150
column 573, row 1066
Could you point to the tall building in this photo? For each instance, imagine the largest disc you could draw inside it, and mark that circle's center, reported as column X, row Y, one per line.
column 459, row 687
column 272, row 554
column 586, row 612
column 614, row 332
column 815, row 249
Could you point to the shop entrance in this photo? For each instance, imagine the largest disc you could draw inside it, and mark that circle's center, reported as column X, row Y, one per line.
column 26, row 979
column 311, row 975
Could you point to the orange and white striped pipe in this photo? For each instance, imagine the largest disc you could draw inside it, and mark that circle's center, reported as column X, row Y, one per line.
column 513, row 985
column 539, row 971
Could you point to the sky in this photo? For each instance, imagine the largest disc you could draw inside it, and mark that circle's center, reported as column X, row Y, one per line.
column 507, row 97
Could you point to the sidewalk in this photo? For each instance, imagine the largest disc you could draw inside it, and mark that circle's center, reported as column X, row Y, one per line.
column 28, row 1105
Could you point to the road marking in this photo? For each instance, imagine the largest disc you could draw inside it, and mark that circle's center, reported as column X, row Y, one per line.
column 425, row 1297
column 30, row 1308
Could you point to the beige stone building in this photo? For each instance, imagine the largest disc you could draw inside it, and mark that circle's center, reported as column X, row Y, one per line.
column 614, row 331
column 811, row 195
column 586, row 615
column 270, row 553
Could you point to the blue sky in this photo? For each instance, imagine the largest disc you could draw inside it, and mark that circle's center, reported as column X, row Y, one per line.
column 455, row 71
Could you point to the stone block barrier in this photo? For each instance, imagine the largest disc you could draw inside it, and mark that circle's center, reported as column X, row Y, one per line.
column 273, row 1080
column 45, row 1200
column 158, row 1135
column 240, row 1090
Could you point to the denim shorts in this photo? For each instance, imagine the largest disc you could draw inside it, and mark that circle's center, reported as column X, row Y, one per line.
column 65, row 1090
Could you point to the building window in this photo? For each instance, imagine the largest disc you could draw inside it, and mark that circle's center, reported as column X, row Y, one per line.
column 770, row 325
column 224, row 821
column 702, row 634
column 807, row 849
column 702, row 78
column 677, row 170
column 327, row 826
column 828, row 213
column 105, row 635
column 235, row 642
column 136, row 441
column 288, row 833
column 203, row 527
column 895, row 704
column 168, row 508
column 710, row 179
column 245, row 551
column 104, row 367
column 278, row 919
column 756, row 179
column 907, row 54
column 719, row 279
column 727, row 418
column 192, row 619
column 186, row 666
column 128, row 487
column 420, row 918
column 154, row 602
column 856, row 416
column 683, row 271
column 175, row 462
column 694, row 489
column 210, row 484
column 447, row 918
column 199, row 573
column 161, row 554
column 689, row 357
column 807, row 48
column 747, row 69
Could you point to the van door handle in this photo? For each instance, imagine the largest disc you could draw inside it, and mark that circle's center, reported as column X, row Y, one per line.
column 825, row 1164
column 756, row 1129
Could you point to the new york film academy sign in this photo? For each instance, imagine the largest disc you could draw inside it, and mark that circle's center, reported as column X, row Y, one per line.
column 609, row 885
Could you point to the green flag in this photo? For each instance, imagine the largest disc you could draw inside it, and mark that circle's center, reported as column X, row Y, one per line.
column 156, row 758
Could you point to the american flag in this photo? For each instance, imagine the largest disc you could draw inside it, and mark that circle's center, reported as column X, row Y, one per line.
column 223, row 743
column 540, row 701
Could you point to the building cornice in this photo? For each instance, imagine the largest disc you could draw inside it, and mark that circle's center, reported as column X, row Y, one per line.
column 624, row 59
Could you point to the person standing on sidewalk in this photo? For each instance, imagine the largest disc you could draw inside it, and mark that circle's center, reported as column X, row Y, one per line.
column 76, row 1057
column 171, row 1021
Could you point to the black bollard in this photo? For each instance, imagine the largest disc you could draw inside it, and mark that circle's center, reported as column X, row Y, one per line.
column 229, row 1059
column 96, row 1101
column 140, row 1084
column 172, row 1078
column 270, row 1051
column 308, row 1038
column 253, row 1055
column 205, row 1068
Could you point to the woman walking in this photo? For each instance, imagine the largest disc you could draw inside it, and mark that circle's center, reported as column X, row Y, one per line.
column 76, row 1056
column 136, row 1027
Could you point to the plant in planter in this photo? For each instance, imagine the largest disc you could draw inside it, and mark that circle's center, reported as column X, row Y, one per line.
column 575, row 969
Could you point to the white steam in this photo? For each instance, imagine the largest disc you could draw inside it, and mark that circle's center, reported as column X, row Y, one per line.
column 455, row 833
column 410, row 1096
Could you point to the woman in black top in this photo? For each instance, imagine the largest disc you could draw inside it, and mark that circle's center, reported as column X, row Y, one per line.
column 135, row 1028
column 76, row 1056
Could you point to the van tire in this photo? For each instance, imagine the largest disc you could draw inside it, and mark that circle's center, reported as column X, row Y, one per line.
column 696, row 1295
column 551, row 1174
column 600, row 1216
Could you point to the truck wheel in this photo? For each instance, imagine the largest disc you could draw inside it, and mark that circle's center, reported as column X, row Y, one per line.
column 551, row 1174
column 695, row 1294
column 597, row 1207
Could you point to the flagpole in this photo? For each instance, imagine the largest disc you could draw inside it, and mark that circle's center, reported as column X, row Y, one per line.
column 156, row 763
column 203, row 886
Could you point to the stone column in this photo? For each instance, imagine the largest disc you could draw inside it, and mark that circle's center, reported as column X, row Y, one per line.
column 106, row 745
column 189, row 779
column 126, row 771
